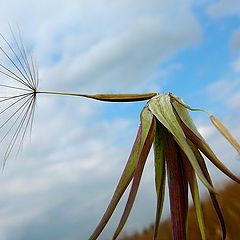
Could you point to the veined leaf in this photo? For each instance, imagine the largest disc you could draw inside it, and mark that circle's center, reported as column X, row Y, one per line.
column 161, row 107
column 160, row 173
column 195, row 194
column 127, row 175
column 178, row 191
column 137, row 176
column 223, row 130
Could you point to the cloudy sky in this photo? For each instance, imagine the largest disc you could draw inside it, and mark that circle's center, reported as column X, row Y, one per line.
column 60, row 183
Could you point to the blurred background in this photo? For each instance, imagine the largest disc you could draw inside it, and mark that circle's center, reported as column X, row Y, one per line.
column 59, row 185
column 229, row 201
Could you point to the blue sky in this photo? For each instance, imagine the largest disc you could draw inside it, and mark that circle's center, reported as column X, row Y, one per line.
column 62, row 180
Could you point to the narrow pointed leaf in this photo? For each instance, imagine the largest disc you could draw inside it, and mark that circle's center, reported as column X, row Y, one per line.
column 137, row 177
column 182, row 103
column 212, row 195
column 160, row 173
column 223, row 130
column 185, row 117
column 120, row 97
column 195, row 194
column 207, row 151
column 198, row 207
column 192, row 133
column 178, row 192
column 181, row 107
column 127, row 175
column 183, row 114
column 161, row 107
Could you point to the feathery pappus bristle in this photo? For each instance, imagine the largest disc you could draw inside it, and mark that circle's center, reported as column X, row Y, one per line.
column 18, row 86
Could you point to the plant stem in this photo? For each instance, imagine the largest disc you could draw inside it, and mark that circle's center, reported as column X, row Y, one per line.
column 106, row 97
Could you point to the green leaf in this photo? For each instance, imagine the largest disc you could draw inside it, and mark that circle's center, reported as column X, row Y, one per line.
column 183, row 114
column 161, row 107
column 223, row 130
column 195, row 194
column 182, row 103
column 137, row 176
column 192, row 133
column 212, row 195
column 181, row 107
column 206, row 150
column 160, row 173
column 127, row 175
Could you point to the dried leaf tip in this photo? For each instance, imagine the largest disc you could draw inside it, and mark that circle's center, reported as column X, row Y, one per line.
column 223, row 130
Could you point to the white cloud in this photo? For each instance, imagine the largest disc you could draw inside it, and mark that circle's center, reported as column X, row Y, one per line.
column 220, row 86
column 224, row 94
column 223, row 8
column 206, row 130
column 75, row 167
column 224, row 151
column 66, row 175
column 101, row 45
column 236, row 65
column 125, row 59
column 227, row 90
column 234, row 100
column 235, row 42
column 222, row 90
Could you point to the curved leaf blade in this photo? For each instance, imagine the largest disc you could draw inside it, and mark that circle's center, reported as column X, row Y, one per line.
column 178, row 191
column 206, row 150
column 181, row 107
column 160, row 174
column 223, row 130
column 212, row 195
column 161, row 107
column 127, row 175
column 192, row 133
column 137, row 177
column 195, row 194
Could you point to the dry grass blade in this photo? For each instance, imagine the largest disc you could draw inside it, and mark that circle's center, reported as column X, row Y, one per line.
column 223, row 130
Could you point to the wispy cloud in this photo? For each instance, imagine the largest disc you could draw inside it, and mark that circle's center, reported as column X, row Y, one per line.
column 235, row 42
column 224, row 8
column 58, row 187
